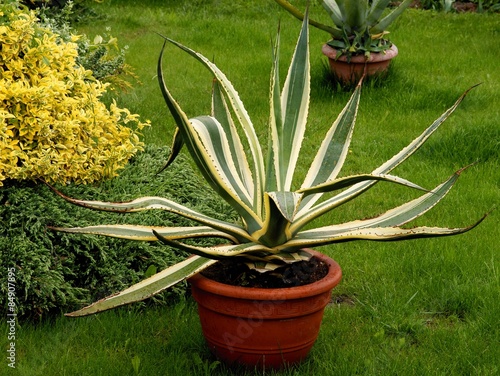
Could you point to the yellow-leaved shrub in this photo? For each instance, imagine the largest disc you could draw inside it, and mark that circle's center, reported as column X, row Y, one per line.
column 53, row 124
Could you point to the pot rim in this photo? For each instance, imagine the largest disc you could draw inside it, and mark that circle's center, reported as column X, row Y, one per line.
column 375, row 57
column 285, row 293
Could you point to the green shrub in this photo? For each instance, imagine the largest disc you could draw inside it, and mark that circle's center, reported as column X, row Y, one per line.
column 459, row 6
column 57, row 272
column 53, row 124
column 100, row 53
column 55, row 6
column 33, row 4
column 488, row 5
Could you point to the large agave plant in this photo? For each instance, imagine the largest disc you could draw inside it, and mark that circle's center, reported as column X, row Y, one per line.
column 358, row 26
column 273, row 215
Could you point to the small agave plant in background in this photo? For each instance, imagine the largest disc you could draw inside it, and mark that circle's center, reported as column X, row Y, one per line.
column 359, row 44
column 359, row 27
column 275, row 225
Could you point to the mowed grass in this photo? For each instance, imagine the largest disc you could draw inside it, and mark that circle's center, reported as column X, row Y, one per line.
column 423, row 307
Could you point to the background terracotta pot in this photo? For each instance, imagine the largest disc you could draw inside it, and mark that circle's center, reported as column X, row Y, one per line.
column 263, row 327
column 377, row 64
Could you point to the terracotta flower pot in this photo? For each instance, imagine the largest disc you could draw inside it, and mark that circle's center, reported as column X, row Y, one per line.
column 259, row 326
column 350, row 73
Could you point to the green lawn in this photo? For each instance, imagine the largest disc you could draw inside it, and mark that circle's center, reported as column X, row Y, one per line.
column 423, row 307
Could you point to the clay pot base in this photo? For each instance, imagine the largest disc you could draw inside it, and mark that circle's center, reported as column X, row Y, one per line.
column 263, row 327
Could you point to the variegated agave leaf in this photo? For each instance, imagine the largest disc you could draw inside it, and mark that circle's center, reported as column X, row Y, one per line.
column 334, row 12
column 148, row 287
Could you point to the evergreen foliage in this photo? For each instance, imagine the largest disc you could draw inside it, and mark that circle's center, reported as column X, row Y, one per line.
column 57, row 272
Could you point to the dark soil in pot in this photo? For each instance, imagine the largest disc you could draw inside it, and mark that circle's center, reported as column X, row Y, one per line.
column 237, row 273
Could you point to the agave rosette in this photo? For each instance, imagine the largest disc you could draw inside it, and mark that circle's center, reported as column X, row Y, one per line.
column 273, row 216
